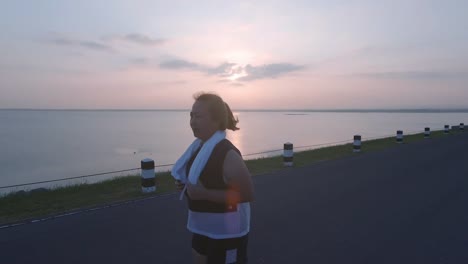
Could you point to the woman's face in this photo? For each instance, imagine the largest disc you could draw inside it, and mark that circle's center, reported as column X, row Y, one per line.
column 203, row 126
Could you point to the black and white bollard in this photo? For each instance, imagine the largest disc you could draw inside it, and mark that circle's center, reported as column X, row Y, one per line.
column 147, row 176
column 288, row 154
column 446, row 129
column 462, row 127
column 357, row 143
column 399, row 136
column 427, row 132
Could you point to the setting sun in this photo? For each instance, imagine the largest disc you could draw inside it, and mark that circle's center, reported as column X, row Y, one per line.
column 236, row 76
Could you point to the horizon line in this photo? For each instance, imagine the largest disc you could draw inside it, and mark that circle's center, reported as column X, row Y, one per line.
column 421, row 109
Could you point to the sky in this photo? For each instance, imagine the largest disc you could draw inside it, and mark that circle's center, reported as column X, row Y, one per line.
column 149, row 54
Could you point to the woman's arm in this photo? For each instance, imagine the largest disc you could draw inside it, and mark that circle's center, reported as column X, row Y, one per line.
column 236, row 176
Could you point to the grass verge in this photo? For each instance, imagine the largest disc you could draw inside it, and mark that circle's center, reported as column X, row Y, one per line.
column 21, row 206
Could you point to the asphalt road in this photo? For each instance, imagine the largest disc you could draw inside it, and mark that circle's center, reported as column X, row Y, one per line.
column 406, row 204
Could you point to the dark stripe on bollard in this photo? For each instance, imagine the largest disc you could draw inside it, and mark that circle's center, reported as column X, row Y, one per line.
column 147, row 182
column 399, row 136
column 446, row 129
column 147, row 165
column 357, row 143
column 427, row 132
column 288, row 154
column 147, row 176
column 462, row 126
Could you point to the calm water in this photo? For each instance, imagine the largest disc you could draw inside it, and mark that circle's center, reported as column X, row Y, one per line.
column 46, row 145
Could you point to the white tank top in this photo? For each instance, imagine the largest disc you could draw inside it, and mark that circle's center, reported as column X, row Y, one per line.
column 221, row 225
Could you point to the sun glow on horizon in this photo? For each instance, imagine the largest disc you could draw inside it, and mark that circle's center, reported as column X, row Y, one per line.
column 235, row 76
column 240, row 58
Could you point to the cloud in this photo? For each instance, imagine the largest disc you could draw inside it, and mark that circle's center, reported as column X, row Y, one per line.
column 105, row 43
column 179, row 64
column 414, row 75
column 142, row 39
column 229, row 69
column 229, row 82
column 223, row 70
column 62, row 41
column 139, row 61
column 268, row 71
column 93, row 45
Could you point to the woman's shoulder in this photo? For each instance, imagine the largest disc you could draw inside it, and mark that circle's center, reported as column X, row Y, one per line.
column 224, row 146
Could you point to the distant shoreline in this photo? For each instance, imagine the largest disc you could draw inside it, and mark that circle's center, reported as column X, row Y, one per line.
column 416, row 110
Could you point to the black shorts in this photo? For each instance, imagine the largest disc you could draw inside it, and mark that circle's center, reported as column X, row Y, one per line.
column 231, row 250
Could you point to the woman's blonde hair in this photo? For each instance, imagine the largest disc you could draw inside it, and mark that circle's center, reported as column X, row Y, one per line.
column 219, row 110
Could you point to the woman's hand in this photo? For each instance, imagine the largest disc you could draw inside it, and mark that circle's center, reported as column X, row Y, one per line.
column 179, row 185
column 196, row 191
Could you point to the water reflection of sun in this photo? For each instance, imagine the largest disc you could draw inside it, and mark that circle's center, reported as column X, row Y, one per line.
column 236, row 137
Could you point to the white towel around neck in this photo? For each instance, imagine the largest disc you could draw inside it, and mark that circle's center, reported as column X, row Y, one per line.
column 179, row 171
